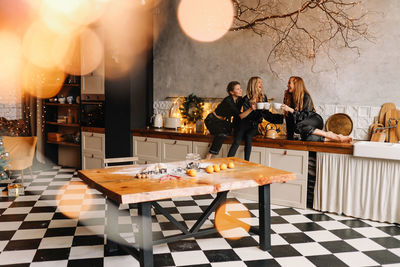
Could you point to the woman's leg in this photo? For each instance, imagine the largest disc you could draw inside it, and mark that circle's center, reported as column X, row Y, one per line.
column 216, row 144
column 332, row 137
column 239, row 133
column 248, row 139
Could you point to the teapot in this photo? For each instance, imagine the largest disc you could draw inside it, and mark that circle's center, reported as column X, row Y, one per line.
column 271, row 132
column 157, row 120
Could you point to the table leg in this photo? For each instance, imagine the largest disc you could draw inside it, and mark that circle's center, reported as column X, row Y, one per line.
column 264, row 217
column 111, row 230
column 145, row 235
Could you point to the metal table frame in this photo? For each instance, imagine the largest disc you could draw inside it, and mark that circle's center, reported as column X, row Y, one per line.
column 144, row 252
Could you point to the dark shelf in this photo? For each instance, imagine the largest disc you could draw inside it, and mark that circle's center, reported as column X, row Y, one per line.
column 61, row 105
column 63, row 124
column 63, row 143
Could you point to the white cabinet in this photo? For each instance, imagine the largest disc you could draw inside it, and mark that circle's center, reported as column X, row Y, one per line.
column 92, row 161
column 92, row 83
column 93, row 150
column 175, row 150
column 291, row 193
column 148, row 150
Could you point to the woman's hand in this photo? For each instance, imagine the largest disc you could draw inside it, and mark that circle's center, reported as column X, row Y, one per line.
column 286, row 108
column 253, row 105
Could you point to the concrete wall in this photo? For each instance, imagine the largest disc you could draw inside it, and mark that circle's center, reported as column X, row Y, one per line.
column 183, row 66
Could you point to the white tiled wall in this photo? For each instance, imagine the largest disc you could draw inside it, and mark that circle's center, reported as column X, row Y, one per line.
column 362, row 116
column 11, row 111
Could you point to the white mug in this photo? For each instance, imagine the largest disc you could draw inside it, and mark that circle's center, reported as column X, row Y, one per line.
column 277, row 106
column 260, row 105
column 267, row 105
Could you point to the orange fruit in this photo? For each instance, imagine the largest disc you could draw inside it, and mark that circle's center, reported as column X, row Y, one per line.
column 231, row 165
column 216, row 168
column 192, row 172
column 209, row 169
column 223, row 166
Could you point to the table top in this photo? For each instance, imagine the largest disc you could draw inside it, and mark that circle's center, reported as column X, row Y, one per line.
column 121, row 185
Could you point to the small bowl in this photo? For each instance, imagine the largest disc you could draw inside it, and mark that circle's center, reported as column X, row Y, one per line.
column 277, row 106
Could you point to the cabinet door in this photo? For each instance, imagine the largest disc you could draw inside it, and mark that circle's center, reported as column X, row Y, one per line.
column 147, row 149
column 93, row 83
column 175, row 150
column 93, row 143
column 202, row 149
column 292, row 193
column 92, row 161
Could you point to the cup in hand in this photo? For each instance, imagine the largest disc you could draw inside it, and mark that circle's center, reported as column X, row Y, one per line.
column 260, row 105
column 277, row 106
column 267, row 105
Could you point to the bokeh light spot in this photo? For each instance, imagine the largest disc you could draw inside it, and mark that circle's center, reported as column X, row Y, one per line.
column 74, row 200
column 41, row 82
column 228, row 220
column 205, row 20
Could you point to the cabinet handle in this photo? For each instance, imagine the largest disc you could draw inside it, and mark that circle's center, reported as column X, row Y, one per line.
column 209, row 145
column 175, row 142
column 92, row 134
column 145, row 162
column 92, row 156
column 285, row 152
column 145, row 139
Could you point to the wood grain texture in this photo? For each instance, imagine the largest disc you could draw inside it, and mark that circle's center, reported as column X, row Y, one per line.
column 117, row 184
column 329, row 147
column 385, row 108
column 392, row 116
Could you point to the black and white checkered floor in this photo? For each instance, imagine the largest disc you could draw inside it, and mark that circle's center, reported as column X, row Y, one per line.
column 34, row 231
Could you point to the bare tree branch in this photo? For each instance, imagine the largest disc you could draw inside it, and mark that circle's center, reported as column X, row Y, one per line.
column 300, row 29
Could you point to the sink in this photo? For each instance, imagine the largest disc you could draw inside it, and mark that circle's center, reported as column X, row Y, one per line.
column 377, row 150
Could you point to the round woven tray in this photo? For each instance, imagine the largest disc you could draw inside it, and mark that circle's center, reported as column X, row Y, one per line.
column 339, row 123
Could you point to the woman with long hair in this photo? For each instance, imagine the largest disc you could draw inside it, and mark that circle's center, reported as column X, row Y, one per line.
column 219, row 122
column 301, row 117
column 248, row 126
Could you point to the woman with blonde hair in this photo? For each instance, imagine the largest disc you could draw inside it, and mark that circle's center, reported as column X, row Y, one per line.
column 301, row 117
column 248, row 126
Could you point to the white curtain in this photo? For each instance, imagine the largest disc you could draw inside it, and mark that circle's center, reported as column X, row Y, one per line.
column 361, row 187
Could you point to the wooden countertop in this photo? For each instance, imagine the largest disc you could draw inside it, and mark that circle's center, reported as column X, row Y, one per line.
column 120, row 184
column 330, row 147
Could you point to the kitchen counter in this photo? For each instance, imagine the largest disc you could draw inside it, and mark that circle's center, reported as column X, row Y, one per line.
column 329, row 147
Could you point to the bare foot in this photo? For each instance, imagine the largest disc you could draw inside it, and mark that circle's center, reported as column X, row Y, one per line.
column 345, row 139
column 209, row 155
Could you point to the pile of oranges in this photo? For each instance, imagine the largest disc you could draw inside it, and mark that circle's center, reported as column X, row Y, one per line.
column 212, row 168
column 217, row 168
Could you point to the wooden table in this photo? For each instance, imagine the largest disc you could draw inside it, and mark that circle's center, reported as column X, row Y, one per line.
column 120, row 186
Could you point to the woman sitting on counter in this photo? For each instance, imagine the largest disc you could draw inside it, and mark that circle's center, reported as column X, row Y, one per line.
column 219, row 122
column 301, row 116
column 247, row 127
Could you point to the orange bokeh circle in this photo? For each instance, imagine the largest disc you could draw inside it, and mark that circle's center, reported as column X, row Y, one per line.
column 205, row 20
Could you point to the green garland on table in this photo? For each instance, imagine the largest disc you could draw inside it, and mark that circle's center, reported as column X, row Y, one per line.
column 192, row 108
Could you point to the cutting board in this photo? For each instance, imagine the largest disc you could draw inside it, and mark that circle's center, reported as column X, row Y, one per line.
column 379, row 135
column 385, row 108
column 391, row 114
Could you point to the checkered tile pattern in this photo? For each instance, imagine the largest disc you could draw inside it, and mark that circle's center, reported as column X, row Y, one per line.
column 36, row 231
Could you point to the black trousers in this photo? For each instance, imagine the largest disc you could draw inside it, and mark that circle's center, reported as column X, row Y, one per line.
column 220, row 129
column 245, row 131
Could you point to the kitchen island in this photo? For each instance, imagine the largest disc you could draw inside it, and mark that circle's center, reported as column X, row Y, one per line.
column 162, row 145
column 339, row 176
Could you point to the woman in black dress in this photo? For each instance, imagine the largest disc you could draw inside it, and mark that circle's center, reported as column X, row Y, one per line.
column 248, row 126
column 219, row 123
column 301, row 117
